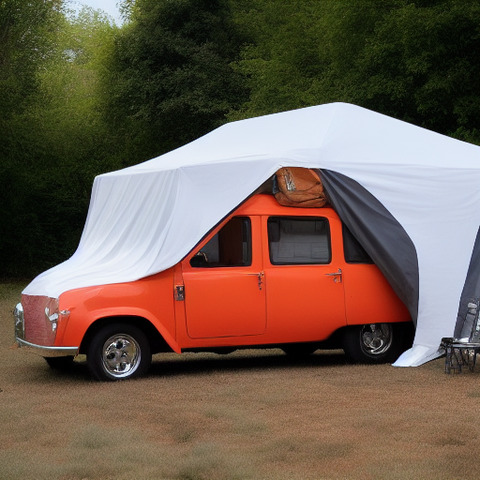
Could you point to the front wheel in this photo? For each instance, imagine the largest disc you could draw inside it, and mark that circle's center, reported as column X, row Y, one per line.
column 374, row 343
column 119, row 352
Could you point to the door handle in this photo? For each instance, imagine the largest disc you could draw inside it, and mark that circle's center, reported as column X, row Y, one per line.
column 259, row 276
column 337, row 275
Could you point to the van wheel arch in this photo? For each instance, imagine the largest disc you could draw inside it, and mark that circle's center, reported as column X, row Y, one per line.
column 157, row 342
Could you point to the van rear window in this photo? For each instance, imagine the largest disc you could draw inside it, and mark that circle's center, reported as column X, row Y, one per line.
column 353, row 251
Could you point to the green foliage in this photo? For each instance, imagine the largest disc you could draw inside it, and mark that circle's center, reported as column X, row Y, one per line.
column 25, row 41
column 422, row 65
column 306, row 52
column 171, row 76
column 80, row 96
column 417, row 61
column 55, row 142
column 71, row 134
column 27, row 31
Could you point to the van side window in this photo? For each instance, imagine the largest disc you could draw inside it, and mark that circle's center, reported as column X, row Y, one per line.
column 230, row 247
column 353, row 251
column 299, row 240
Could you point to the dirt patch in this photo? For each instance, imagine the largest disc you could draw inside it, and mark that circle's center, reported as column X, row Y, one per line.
column 248, row 415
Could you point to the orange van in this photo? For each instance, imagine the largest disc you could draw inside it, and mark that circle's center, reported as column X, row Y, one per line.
column 266, row 276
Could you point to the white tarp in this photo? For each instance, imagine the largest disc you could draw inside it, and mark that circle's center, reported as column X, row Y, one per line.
column 146, row 218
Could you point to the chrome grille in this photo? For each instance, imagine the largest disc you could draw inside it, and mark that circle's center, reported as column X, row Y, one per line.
column 38, row 329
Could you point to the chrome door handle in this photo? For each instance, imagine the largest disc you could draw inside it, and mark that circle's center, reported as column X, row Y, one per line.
column 337, row 275
column 260, row 276
column 334, row 274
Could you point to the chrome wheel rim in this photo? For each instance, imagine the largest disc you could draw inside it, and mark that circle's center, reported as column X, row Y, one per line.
column 121, row 355
column 376, row 339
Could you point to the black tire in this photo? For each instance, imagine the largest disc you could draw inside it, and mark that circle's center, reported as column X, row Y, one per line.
column 62, row 364
column 119, row 352
column 374, row 343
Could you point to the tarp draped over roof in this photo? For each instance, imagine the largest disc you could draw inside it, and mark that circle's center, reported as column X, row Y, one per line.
column 146, row 218
column 383, row 238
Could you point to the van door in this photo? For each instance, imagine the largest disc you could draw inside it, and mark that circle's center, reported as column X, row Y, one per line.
column 303, row 270
column 224, row 283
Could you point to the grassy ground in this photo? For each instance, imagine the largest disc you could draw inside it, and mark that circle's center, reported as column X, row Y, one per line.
column 248, row 415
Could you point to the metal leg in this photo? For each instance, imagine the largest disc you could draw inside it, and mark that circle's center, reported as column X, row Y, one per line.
column 459, row 356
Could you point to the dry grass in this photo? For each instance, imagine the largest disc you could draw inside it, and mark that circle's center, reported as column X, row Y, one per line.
column 248, row 415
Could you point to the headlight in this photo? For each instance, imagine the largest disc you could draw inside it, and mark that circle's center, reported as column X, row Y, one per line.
column 53, row 315
column 51, row 312
column 19, row 321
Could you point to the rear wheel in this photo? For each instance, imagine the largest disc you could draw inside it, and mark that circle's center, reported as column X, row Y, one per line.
column 118, row 352
column 374, row 343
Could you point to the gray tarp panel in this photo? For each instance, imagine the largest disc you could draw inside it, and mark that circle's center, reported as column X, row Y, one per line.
column 382, row 237
column 471, row 291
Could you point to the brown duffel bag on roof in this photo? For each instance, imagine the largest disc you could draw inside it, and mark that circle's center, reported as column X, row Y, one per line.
column 299, row 187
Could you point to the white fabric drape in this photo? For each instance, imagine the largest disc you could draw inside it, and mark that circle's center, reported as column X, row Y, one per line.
column 146, row 218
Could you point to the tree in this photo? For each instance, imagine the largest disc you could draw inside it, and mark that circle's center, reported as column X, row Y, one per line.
column 27, row 32
column 282, row 58
column 417, row 61
column 26, row 39
column 422, row 64
column 171, row 74
column 71, row 133
column 56, row 139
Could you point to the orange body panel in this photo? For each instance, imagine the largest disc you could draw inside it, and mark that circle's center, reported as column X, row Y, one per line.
column 369, row 298
column 150, row 298
column 257, row 304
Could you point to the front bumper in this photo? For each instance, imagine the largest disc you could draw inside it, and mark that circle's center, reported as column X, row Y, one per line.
column 38, row 348
column 45, row 351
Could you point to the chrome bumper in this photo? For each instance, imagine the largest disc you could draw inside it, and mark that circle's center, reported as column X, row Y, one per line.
column 43, row 350
column 47, row 351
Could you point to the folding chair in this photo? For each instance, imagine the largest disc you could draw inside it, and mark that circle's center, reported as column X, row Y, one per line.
column 462, row 352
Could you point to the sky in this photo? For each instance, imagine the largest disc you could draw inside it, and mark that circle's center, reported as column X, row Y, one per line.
column 108, row 6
